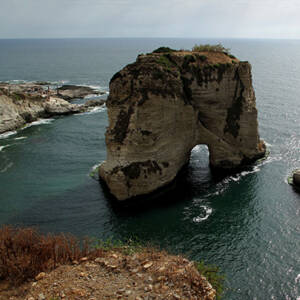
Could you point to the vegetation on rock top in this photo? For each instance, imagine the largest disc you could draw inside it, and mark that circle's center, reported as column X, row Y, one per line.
column 164, row 50
column 211, row 48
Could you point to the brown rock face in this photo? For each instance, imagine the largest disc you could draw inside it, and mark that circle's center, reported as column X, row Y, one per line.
column 163, row 105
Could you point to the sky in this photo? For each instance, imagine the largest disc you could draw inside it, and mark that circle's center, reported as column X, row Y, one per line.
column 150, row 18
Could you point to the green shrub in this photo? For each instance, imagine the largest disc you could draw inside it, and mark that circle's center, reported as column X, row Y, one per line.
column 213, row 275
column 203, row 57
column 164, row 61
column 17, row 96
column 210, row 48
column 163, row 50
column 231, row 56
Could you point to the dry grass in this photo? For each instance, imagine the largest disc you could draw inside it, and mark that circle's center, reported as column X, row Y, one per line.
column 25, row 252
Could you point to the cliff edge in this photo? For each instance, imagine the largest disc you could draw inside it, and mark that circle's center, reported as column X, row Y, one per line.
column 164, row 104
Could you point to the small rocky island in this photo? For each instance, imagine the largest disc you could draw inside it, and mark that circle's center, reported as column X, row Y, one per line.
column 167, row 102
column 24, row 103
column 294, row 179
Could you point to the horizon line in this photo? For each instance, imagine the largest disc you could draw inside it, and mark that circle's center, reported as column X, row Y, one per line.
column 203, row 38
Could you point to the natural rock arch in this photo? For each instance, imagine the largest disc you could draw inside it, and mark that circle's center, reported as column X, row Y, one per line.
column 163, row 105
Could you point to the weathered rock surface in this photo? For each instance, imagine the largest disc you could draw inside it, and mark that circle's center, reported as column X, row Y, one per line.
column 69, row 92
column 17, row 109
column 163, row 105
column 296, row 178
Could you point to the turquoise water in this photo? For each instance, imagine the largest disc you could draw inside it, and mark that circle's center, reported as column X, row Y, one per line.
column 248, row 224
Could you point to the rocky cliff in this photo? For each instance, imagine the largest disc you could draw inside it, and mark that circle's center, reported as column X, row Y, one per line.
column 164, row 104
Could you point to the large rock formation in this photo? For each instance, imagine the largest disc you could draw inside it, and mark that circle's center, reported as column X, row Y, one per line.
column 164, row 104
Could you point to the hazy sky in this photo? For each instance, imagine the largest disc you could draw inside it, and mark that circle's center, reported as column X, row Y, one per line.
column 150, row 18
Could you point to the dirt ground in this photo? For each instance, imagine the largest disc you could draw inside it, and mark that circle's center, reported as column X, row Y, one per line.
column 144, row 275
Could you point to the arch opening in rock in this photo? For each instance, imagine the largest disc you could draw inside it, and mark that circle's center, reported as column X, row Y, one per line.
column 163, row 105
column 199, row 168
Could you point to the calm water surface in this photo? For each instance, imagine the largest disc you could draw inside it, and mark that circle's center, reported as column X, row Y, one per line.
column 248, row 224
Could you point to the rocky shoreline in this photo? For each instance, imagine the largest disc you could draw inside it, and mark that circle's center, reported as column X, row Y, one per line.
column 24, row 103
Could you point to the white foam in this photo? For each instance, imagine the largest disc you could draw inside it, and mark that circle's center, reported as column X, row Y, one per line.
column 95, row 167
column 93, row 173
column 95, row 110
column 94, row 87
column 208, row 211
column 267, row 144
column 2, row 147
column 7, row 134
column 39, row 122
column 18, row 81
column 90, row 96
column 21, row 138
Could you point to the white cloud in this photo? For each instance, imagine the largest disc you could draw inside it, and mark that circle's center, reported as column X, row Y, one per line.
column 174, row 18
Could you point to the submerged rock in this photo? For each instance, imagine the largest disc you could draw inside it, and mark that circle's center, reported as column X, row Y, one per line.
column 163, row 105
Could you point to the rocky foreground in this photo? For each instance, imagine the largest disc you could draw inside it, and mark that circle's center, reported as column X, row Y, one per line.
column 25, row 103
column 164, row 104
column 146, row 274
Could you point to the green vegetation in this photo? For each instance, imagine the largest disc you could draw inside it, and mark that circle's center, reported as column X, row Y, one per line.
column 94, row 173
column 127, row 247
column 231, row 56
column 213, row 275
column 165, row 62
column 17, row 96
column 202, row 57
column 290, row 179
column 211, row 48
column 164, row 50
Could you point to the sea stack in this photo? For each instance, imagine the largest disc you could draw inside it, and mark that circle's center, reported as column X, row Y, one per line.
column 164, row 104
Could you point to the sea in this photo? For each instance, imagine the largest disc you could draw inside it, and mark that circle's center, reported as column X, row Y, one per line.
column 247, row 224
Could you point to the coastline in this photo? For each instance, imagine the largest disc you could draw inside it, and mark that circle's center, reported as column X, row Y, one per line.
column 21, row 104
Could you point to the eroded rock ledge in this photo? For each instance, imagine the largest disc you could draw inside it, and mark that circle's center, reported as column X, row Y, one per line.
column 164, row 104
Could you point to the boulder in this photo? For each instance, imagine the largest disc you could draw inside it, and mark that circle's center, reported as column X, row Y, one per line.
column 296, row 178
column 93, row 103
column 163, row 105
column 70, row 92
